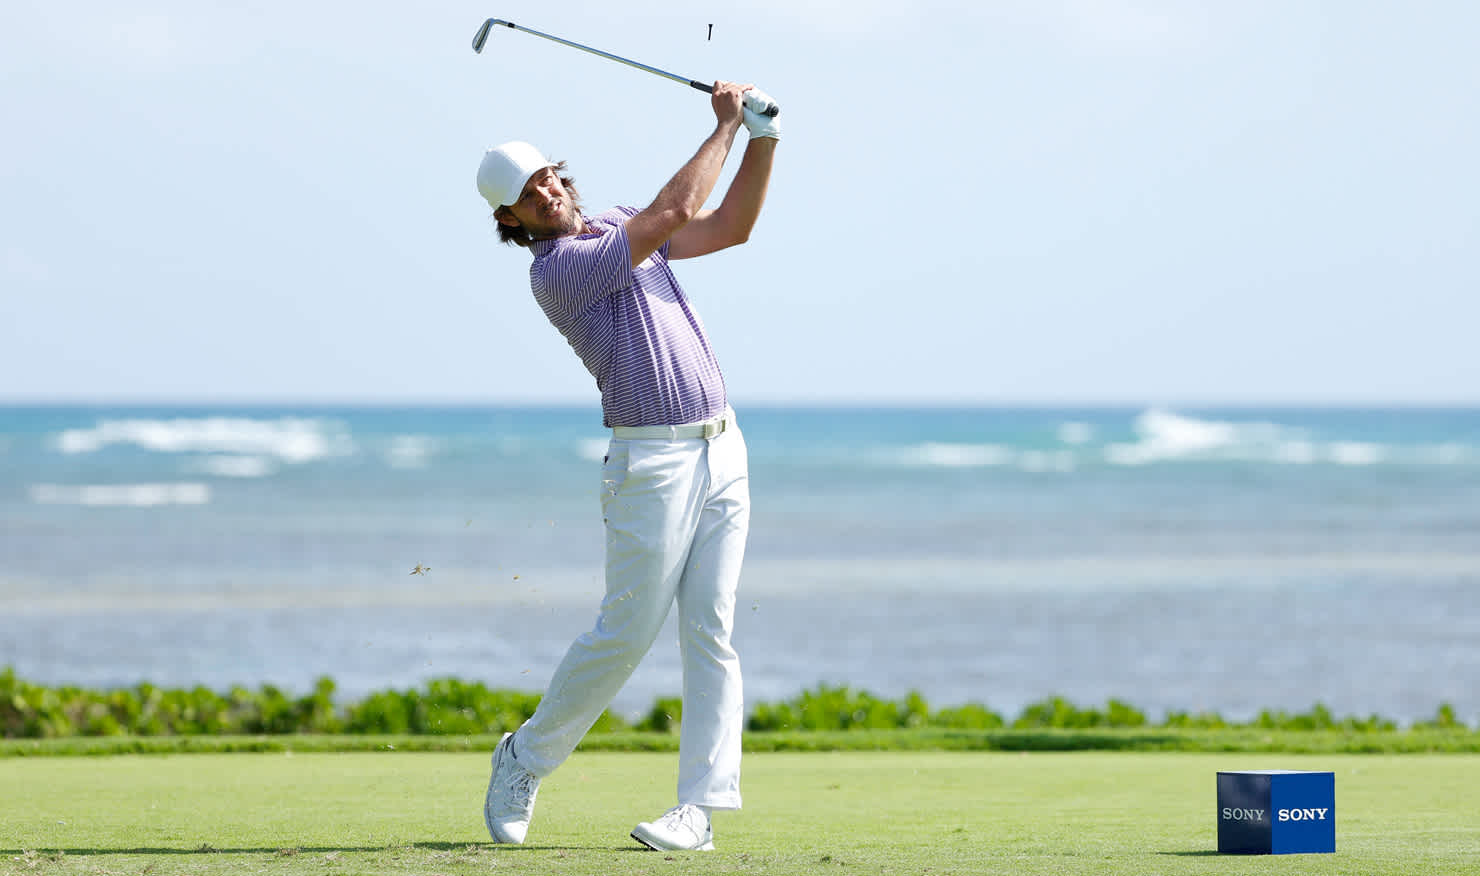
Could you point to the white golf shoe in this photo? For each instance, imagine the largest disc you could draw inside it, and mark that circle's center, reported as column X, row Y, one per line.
column 511, row 791
column 680, row 829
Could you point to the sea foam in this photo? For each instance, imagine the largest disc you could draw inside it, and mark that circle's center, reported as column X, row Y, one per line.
column 1163, row 436
column 286, row 439
column 121, row 495
column 951, row 455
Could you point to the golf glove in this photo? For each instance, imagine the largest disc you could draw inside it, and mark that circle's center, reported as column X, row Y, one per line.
column 757, row 124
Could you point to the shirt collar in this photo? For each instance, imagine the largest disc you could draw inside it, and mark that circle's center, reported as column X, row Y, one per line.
column 593, row 228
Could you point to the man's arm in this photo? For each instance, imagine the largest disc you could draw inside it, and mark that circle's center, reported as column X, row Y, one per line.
column 730, row 224
column 683, row 197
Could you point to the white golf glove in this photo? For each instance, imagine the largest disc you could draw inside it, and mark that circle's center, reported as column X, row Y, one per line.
column 757, row 124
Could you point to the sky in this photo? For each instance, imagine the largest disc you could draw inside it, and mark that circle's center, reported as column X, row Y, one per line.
column 995, row 202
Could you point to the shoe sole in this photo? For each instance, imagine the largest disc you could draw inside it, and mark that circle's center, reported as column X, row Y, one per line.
column 707, row 847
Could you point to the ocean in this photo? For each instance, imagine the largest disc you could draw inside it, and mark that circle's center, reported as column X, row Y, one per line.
column 1229, row 559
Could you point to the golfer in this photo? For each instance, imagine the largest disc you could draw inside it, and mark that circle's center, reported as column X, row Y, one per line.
column 675, row 486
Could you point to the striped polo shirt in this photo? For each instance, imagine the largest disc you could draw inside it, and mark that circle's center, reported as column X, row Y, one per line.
column 632, row 327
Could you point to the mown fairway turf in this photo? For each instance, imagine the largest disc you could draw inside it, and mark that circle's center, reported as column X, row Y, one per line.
column 834, row 813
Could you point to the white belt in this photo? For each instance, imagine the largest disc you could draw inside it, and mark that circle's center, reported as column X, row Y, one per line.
column 707, row 429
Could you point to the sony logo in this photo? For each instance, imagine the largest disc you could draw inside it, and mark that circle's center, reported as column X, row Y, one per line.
column 1235, row 814
column 1303, row 814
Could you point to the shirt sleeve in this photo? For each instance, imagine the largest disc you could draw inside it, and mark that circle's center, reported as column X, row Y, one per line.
column 581, row 270
column 627, row 213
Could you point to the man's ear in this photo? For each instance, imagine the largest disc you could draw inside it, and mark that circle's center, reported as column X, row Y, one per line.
column 505, row 216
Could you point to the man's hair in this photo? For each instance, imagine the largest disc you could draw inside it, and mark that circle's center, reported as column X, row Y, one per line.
column 516, row 234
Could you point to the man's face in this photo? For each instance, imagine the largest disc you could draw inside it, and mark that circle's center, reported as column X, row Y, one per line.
column 545, row 208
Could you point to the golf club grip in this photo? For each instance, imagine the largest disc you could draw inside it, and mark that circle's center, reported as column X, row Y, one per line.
column 771, row 110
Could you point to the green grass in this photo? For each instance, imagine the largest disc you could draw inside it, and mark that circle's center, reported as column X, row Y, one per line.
column 936, row 812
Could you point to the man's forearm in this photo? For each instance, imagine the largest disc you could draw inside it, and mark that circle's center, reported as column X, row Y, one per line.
column 687, row 191
column 747, row 194
column 682, row 197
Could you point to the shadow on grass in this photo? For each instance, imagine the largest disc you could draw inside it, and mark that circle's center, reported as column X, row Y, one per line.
column 936, row 739
column 208, row 849
column 1070, row 740
column 1200, row 853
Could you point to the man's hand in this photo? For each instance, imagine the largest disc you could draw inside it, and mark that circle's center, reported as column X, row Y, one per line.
column 757, row 124
column 728, row 102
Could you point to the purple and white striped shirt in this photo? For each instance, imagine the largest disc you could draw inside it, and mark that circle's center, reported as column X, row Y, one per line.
column 632, row 327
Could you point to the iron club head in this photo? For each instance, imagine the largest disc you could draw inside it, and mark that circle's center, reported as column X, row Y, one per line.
column 481, row 36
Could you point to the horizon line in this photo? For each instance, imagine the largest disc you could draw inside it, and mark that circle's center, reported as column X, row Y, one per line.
column 892, row 402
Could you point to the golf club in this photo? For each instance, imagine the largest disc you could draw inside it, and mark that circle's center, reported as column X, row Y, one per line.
column 769, row 109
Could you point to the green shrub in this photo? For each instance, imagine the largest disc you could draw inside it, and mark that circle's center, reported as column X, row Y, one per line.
column 968, row 717
column 1444, row 719
column 840, row 708
column 1318, row 718
column 1123, row 714
column 450, row 706
column 1059, row 713
column 381, row 712
column 1056, row 712
column 1198, row 721
column 664, row 717
column 1369, row 724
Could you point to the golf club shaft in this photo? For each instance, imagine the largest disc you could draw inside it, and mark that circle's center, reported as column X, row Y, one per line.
column 482, row 36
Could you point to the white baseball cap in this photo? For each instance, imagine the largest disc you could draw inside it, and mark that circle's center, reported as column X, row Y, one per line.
column 505, row 170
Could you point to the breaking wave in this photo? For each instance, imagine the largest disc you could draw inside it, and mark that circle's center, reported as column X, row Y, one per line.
column 1160, row 436
column 286, row 439
column 1163, row 436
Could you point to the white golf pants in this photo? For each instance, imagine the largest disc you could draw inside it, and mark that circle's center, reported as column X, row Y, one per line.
column 677, row 513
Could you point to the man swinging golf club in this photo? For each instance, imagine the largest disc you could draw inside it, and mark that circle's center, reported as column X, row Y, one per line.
column 675, row 487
